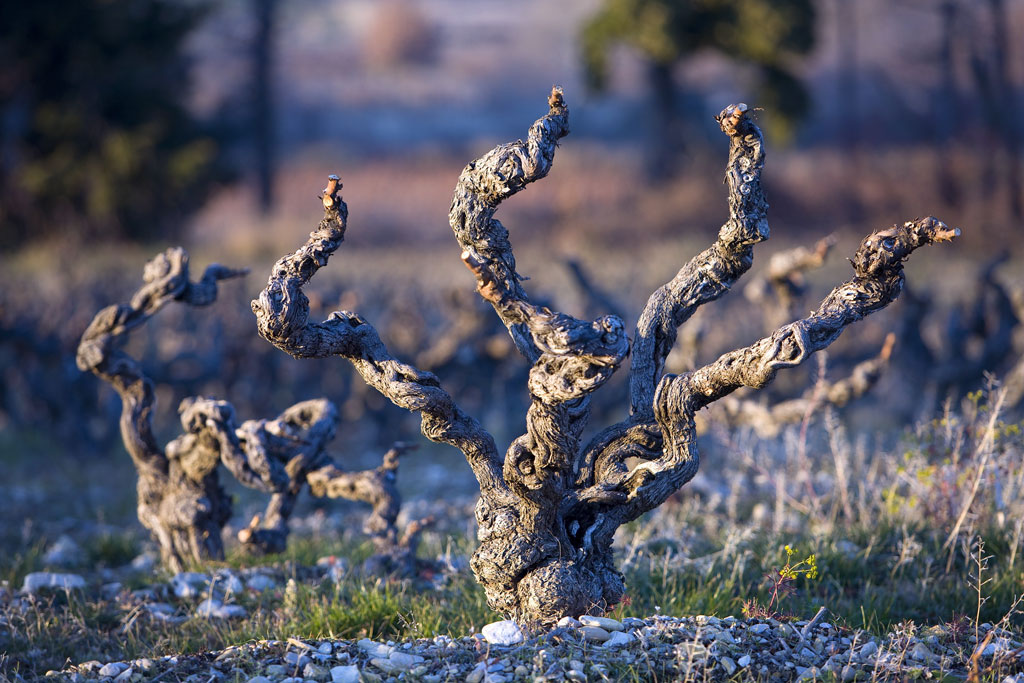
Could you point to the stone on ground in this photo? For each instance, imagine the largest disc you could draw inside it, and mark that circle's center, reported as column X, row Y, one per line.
column 503, row 633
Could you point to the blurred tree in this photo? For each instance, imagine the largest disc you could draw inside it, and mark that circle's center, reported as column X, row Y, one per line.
column 263, row 41
column 399, row 35
column 94, row 137
column 765, row 34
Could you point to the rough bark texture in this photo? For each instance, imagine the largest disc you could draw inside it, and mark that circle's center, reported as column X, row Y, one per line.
column 181, row 501
column 548, row 510
column 781, row 289
column 768, row 420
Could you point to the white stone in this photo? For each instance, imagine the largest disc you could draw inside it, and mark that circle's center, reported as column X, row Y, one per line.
column 144, row 562
column 39, row 580
column 503, row 633
column 595, row 633
column 296, row 659
column 345, row 674
column 312, row 671
column 64, row 551
column 112, row 669
column 374, row 649
column 997, row 645
column 921, row 652
column 208, row 608
column 189, row 584
column 618, row 639
column 724, row 637
column 744, row 661
column 229, row 583
column 869, row 648
column 759, row 628
column 387, row 666
column 810, row 674
column 477, row 674
column 164, row 612
column 405, row 660
column 728, row 665
column 232, row 612
column 191, row 577
column 568, row 622
column 259, row 679
column 125, row 675
column 602, row 622
column 260, row 583
column 691, row 650
column 848, row 548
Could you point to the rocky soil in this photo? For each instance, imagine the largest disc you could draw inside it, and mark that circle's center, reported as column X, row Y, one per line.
column 585, row 649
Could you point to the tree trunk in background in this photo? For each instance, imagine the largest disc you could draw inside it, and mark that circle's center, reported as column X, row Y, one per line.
column 848, row 98
column 946, row 108
column 1009, row 130
column 263, row 99
column 665, row 143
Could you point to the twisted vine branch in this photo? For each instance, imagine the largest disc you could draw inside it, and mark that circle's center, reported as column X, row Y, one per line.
column 548, row 510
column 180, row 498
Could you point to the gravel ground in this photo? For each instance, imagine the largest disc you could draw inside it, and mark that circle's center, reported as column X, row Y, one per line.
column 657, row 648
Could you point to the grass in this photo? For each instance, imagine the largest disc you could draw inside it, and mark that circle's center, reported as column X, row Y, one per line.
column 860, row 591
column 881, row 548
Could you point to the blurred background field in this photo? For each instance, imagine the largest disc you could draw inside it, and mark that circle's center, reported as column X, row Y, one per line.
column 130, row 125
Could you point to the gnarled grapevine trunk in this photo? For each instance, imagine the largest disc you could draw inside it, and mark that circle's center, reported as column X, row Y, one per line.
column 549, row 508
column 180, row 499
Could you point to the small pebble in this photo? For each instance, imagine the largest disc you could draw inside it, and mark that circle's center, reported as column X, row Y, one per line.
column 618, row 639
column 595, row 633
column 37, row 581
column 345, row 674
column 296, row 659
column 315, row 672
column 260, row 583
column 112, row 669
column 477, row 674
column 503, row 633
column 602, row 622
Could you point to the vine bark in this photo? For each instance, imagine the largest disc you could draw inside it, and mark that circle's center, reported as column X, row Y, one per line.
column 549, row 508
column 180, row 499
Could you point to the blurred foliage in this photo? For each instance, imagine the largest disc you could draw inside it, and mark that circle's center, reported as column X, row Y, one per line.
column 400, row 35
column 765, row 34
column 94, row 136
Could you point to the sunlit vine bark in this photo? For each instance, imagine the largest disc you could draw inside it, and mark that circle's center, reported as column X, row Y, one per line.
column 550, row 506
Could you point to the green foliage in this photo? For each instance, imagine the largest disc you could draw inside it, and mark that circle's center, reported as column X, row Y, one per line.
column 95, row 137
column 764, row 34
